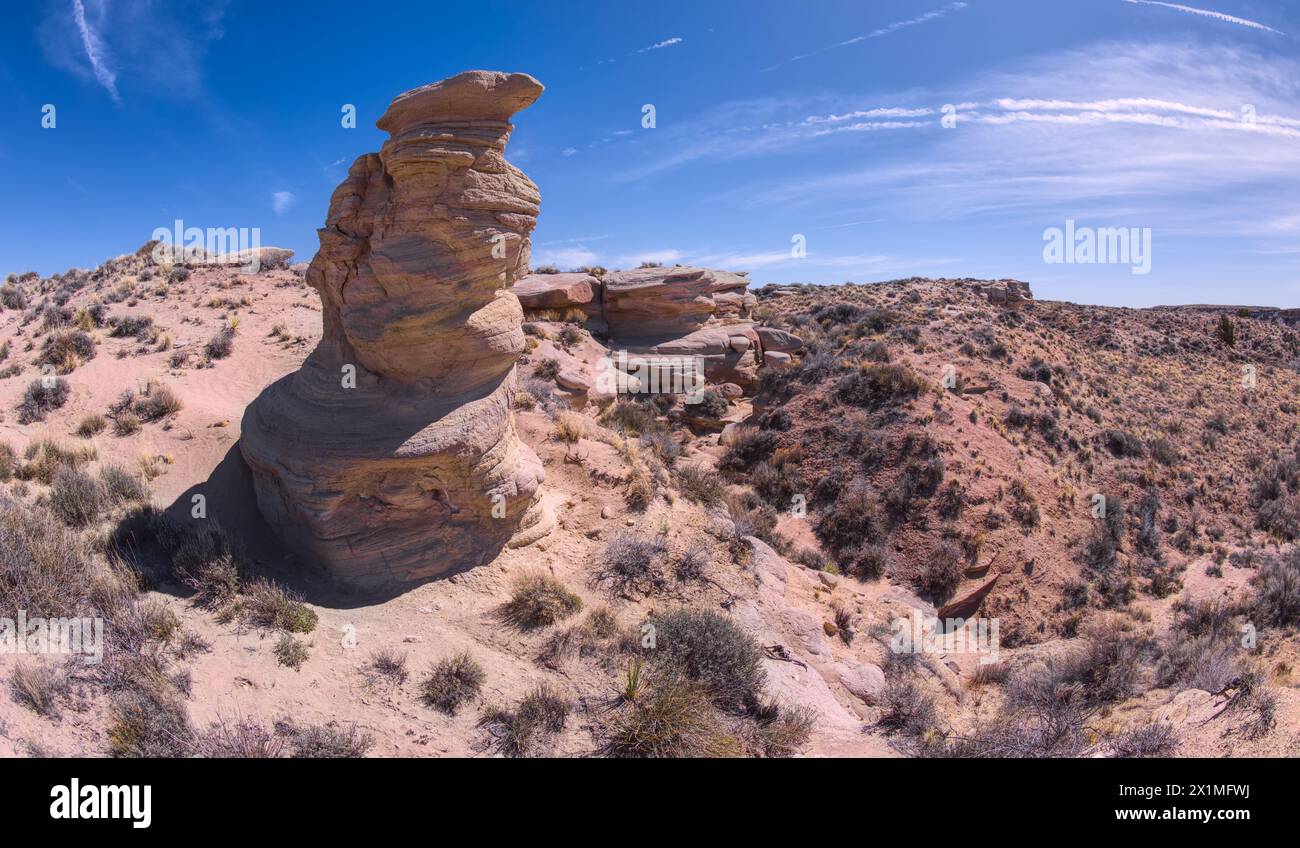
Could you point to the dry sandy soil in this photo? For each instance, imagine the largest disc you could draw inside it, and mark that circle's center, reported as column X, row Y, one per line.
column 1024, row 440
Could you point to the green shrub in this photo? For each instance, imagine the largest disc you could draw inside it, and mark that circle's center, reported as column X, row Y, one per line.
column 207, row 559
column 1277, row 591
column 121, row 486
column 539, row 600
column 42, row 397
column 451, row 682
column 941, row 572
column 290, row 652
column 65, row 351
column 879, row 384
column 851, row 520
column 706, row 647
column 1225, row 331
column 268, row 604
column 75, row 497
column 150, row 725
column 524, row 731
column 91, row 425
column 700, row 484
column 711, row 405
column 675, row 719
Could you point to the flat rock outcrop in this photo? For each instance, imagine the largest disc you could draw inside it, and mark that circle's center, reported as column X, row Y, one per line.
column 391, row 456
column 730, row 352
column 667, row 311
column 1009, row 293
column 673, row 301
column 779, row 341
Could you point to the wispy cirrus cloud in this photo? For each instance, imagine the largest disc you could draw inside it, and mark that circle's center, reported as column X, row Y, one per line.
column 95, row 52
column 283, row 201
column 1194, row 140
column 1210, row 105
column 880, row 32
column 659, row 45
column 129, row 45
column 1207, row 13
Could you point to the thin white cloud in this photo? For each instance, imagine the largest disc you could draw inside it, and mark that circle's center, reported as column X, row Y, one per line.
column 1197, row 142
column 128, row 44
column 283, row 201
column 1144, row 111
column 659, row 45
column 724, row 135
column 933, row 15
column 568, row 151
column 883, row 112
column 872, row 126
column 926, row 18
column 95, row 52
column 1207, row 13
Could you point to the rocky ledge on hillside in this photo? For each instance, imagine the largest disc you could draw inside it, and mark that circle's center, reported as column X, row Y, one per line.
column 667, row 311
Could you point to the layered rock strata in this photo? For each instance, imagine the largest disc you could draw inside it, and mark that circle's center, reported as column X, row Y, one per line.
column 667, row 312
column 391, row 456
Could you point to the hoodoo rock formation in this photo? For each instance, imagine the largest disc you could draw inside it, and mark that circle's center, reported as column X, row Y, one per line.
column 391, row 456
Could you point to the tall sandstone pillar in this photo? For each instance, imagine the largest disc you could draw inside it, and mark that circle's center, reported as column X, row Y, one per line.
column 412, row 467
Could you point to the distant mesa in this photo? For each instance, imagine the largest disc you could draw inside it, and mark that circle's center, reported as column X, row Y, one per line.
column 391, row 456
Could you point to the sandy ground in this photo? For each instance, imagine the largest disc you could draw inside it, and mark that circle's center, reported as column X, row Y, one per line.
column 786, row 605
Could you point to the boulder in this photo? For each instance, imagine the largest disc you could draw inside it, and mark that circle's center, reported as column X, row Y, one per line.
column 776, row 360
column 390, row 457
column 865, row 680
column 1011, row 294
column 575, row 378
column 667, row 302
column 779, row 341
column 558, row 292
column 722, row 362
column 807, row 631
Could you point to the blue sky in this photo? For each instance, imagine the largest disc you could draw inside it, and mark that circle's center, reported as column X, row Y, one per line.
column 773, row 119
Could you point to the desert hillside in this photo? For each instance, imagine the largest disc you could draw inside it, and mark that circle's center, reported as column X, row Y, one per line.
column 867, row 453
